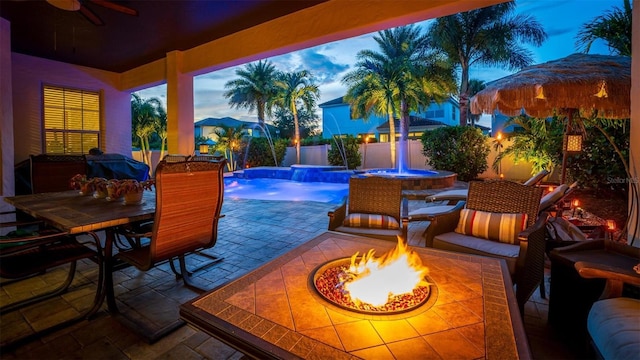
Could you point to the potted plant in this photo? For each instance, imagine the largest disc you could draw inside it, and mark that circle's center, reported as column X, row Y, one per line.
column 80, row 182
column 112, row 190
column 100, row 186
column 132, row 190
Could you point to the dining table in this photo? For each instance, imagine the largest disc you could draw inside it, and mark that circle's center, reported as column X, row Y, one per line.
column 76, row 214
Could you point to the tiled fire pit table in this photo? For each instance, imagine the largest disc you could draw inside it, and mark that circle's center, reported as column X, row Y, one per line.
column 274, row 311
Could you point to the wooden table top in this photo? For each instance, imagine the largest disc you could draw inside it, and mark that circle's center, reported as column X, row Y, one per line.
column 272, row 312
column 71, row 212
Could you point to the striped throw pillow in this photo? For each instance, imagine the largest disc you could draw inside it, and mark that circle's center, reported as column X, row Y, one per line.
column 492, row 226
column 371, row 221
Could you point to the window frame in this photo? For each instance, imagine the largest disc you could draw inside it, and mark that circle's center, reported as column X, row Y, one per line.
column 71, row 130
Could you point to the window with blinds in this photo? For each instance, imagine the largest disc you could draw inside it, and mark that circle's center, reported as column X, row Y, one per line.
column 71, row 120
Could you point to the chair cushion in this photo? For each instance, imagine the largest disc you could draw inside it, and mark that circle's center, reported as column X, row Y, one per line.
column 455, row 242
column 492, row 226
column 614, row 327
column 375, row 221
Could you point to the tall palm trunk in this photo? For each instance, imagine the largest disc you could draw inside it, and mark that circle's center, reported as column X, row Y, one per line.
column 404, row 131
column 464, row 95
column 296, row 131
column 392, row 137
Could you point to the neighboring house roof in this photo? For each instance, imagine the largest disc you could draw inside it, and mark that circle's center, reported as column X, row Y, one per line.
column 414, row 122
column 230, row 122
column 336, row 101
column 225, row 121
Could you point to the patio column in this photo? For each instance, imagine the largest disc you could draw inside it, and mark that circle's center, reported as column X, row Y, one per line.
column 634, row 135
column 180, row 138
column 6, row 116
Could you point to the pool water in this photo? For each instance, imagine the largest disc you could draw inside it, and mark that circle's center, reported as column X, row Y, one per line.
column 284, row 190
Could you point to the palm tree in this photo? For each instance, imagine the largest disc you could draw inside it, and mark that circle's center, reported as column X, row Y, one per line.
column 254, row 89
column 404, row 76
column 228, row 142
column 614, row 27
column 490, row 36
column 161, row 129
column 296, row 89
column 371, row 92
column 144, row 116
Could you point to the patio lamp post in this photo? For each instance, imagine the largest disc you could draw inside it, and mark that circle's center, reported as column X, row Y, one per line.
column 498, row 146
column 571, row 144
column 204, row 149
column 364, row 157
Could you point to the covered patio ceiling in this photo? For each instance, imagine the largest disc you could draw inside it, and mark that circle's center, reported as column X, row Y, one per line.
column 128, row 41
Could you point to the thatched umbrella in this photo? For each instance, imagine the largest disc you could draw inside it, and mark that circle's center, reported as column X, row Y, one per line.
column 592, row 85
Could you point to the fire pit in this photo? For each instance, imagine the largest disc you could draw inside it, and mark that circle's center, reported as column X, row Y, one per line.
column 392, row 284
column 275, row 312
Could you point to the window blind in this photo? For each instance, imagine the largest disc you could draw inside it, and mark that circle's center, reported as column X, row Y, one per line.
column 71, row 120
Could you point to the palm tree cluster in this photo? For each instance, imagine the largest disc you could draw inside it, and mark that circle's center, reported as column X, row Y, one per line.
column 403, row 77
column 409, row 71
column 492, row 36
column 613, row 27
column 262, row 87
column 148, row 121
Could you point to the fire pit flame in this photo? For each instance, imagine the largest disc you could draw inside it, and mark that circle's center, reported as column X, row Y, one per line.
column 374, row 280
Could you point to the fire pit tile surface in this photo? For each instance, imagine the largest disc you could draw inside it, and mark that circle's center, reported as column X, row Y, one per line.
column 274, row 308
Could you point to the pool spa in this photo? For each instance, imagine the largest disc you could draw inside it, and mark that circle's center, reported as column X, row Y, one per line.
column 328, row 184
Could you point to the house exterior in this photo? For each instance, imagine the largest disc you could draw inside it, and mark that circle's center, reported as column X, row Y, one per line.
column 207, row 127
column 337, row 120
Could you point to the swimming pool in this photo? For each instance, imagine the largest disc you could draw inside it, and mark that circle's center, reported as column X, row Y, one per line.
column 284, row 190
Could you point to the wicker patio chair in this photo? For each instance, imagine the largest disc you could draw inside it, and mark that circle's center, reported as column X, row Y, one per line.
column 613, row 322
column 366, row 211
column 461, row 194
column 525, row 259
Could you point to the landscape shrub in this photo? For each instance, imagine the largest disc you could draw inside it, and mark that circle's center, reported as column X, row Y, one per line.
column 348, row 147
column 259, row 152
column 459, row 149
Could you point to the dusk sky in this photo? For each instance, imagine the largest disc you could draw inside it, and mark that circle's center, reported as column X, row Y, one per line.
column 328, row 63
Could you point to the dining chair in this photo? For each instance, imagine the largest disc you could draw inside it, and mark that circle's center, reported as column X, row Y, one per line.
column 29, row 249
column 374, row 207
column 189, row 197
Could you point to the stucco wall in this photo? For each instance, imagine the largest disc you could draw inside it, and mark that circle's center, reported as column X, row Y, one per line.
column 6, row 116
column 31, row 73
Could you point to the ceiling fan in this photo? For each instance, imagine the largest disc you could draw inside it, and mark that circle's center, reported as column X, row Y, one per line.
column 79, row 5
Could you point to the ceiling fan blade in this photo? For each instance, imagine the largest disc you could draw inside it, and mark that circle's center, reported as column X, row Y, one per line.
column 90, row 15
column 117, row 7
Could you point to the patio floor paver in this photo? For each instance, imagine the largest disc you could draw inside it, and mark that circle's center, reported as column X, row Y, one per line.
column 251, row 233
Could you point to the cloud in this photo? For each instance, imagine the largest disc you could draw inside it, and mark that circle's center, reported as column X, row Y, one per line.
column 330, row 62
column 324, row 68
